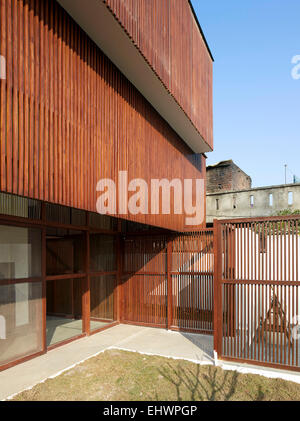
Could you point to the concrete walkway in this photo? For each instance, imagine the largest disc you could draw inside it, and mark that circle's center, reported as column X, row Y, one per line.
column 132, row 338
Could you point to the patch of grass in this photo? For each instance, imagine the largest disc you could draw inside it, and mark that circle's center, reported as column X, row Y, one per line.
column 120, row 375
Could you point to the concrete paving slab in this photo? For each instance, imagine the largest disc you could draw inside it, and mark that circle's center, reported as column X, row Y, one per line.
column 170, row 344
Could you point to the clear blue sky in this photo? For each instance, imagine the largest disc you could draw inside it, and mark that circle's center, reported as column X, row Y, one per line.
column 256, row 100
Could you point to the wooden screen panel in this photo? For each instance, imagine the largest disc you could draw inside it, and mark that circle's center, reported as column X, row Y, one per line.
column 193, row 282
column 260, row 291
column 102, row 253
column 144, row 286
column 146, row 268
column 193, row 302
column 193, row 253
column 145, row 300
column 102, row 297
column 168, row 36
column 69, row 117
column 145, row 254
column 260, row 329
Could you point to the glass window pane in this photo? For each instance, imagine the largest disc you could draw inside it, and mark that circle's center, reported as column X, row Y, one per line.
column 20, row 321
column 65, row 251
column 102, row 253
column 128, row 226
column 57, row 213
column 78, row 217
column 20, row 252
column 19, row 206
column 64, row 310
column 65, row 215
column 104, row 222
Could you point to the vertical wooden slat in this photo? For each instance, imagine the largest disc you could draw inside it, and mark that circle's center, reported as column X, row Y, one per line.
column 218, row 306
column 86, row 298
column 9, row 82
column 51, row 63
column 20, row 55
column 3, row 96
column 41, row 105
column 44, row 282
column 60, row 110
column 169, row 284
column 36, row 101
column 119, row 289
column 15, row 102
column 46, row 80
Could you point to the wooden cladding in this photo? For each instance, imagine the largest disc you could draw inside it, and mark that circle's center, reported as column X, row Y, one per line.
column 168, row 36
column 68, row 117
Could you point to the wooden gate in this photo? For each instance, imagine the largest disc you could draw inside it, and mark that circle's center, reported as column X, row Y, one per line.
column 168, row 281
column 257, row 284
column 192, row 282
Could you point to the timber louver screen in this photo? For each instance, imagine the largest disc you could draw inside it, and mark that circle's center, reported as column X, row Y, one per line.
column 148, row 295
column 192, row 282
column 145, row 280
column 259, row 291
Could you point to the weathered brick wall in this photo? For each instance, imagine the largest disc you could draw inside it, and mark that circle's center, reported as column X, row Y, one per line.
column 226, row 176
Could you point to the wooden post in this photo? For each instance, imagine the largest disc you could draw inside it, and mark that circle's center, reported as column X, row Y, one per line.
column 218, row 310
column 86, row 307
column 232, row 276
column 169, row 285
column 118, row 291
column 44, row 282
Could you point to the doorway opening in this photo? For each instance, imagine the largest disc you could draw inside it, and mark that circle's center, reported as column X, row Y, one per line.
column 65, row 256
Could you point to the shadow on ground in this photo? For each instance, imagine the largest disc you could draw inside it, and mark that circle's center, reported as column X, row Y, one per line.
column 202, row 387
column 205, row 343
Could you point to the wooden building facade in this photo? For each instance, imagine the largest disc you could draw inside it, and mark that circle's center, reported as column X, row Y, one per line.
column 122, row 85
